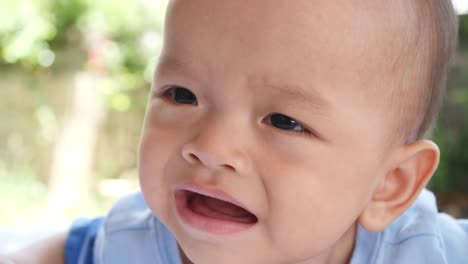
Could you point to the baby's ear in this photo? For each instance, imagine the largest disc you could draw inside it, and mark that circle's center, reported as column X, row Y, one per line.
column 413, row 167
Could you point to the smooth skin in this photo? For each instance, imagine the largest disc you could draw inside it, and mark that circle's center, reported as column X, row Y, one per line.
column 227, row 70
column 324, row 67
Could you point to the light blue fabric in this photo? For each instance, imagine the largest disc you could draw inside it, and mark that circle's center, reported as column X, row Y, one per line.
column 131, row 234
column 420, row 235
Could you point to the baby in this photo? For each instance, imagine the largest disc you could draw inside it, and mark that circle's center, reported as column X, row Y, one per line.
column 286, row 132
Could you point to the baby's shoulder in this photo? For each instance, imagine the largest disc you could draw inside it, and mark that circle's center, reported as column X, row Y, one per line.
column 129, row 213
column 454, row 234
column 420, row 235
column 131, row 232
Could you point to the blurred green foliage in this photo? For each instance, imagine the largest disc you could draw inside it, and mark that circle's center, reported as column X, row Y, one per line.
column 463, row 21
column 451, row 133
column 126, row 34
column 44, row 45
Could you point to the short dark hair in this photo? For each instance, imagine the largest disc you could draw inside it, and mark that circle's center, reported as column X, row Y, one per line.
column 432, row 53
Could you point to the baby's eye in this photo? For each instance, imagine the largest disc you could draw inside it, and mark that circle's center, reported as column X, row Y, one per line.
column 180, row 95
column 284, row 122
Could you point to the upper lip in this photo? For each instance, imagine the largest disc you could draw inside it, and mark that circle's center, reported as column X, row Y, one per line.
column 209, row 191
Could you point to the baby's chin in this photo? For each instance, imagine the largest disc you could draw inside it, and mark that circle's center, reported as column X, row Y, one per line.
column 234, row 252
column 202, row 252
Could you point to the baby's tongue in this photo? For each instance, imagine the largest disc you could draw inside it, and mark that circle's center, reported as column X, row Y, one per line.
column 216, row 208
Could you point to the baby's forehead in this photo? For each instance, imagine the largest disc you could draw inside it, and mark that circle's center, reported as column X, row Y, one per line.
column 326, row 43
column 361, row 32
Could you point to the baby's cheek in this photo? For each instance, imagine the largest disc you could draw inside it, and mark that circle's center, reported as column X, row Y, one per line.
column 151, row 174
column 163, row 116
column 308, row 217
column 156, row 197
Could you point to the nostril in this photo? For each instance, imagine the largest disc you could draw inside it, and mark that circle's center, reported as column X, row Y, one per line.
column 190, row 156
column 210, row 160
column 193, row 158
column 229, row 167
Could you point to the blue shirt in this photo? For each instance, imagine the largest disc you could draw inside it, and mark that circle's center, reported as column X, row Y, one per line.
column 131, row 234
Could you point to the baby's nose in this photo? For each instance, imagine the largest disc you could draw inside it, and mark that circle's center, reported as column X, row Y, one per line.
column 216, row 146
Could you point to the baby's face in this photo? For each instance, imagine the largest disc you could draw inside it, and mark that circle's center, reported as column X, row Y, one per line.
column 268, row 103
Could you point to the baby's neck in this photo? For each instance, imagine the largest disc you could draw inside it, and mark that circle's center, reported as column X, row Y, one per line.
column 183, row 257
column 344, row 249
column 340, row 253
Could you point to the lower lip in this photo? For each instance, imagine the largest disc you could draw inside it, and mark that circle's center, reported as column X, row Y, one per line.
column 204, row 223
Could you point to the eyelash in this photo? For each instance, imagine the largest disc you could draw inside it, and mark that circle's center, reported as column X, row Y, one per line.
column 167, row 93
column 302, row 132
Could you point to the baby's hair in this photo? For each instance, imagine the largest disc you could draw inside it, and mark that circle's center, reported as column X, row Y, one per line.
column 429, row 58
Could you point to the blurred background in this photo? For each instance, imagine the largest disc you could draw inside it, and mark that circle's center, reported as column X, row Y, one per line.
column 74, row 79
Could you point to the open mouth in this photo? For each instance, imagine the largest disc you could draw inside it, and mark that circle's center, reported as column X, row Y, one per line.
column 211, row 214
column 218, row 209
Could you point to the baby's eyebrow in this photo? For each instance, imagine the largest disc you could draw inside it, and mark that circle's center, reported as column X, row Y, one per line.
column 168, row 64
column 301, row 97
